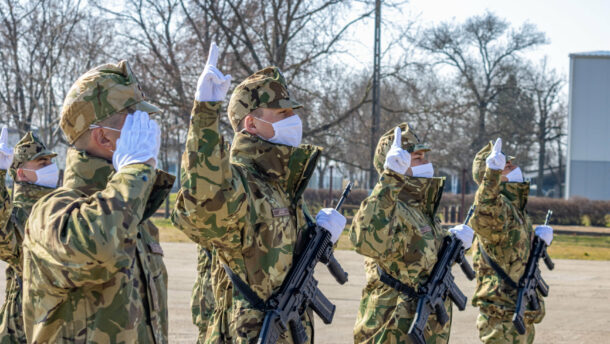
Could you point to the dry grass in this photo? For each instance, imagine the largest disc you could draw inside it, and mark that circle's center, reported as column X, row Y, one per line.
column 564, row 246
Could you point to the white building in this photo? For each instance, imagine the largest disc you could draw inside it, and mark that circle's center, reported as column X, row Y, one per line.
column 588, row 166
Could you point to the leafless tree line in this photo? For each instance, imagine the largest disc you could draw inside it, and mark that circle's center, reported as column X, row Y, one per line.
column 458, row 84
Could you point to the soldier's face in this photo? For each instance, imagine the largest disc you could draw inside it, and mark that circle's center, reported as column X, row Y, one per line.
column 417, row 158
column 508, row 168
column 263, row 129
column 104, row 139
column 27, row 171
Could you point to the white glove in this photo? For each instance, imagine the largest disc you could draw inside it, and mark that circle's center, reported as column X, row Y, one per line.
column 397, row 159
column 139, row 141
column 545, row 233
column 212, row 85
column 332, row 221
column 496, row 160
column 6, row 151
column 464, row 233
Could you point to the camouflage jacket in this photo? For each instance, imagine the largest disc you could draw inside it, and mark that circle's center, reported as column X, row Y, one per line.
column 249, row 207
column 11, row 238
column 396, row 228
column 93, row 266
column 505, row 232
column 202, row 300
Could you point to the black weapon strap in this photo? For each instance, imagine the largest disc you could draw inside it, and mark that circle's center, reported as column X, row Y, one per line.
column 244, row 289
column 509, row 281
column 396, row 284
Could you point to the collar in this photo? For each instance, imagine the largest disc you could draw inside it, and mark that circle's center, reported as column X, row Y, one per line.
column 516, row 193
column 86, row 172
column 423, row 193
column 290, row 167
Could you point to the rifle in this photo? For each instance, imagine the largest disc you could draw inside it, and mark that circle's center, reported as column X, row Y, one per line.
column 441, row 284
column 532, row 280
column 300, row 289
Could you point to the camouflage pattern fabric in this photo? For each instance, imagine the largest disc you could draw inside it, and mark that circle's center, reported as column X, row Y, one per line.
column 396, row 228
column 202, row 300
column 29, row 148
column 263, row 89
column 505, row 231
column 98, row 94
column 93, row 266
column 11, row 238
column 497, row 330
column 248, row 206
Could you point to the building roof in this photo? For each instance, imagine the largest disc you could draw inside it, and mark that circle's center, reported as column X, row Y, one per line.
column 598, row 53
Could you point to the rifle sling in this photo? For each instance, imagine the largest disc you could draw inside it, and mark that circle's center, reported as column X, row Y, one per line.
column 503, row 275
column 255, row 301
column 396, row 284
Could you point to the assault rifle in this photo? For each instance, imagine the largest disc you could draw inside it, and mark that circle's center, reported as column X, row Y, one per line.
column 441, row 284
column 300, row 289
column 532, row 280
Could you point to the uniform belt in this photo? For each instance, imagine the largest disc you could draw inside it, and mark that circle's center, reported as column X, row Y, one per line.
column 255, row 301
column 503, row 275
column 396, row 284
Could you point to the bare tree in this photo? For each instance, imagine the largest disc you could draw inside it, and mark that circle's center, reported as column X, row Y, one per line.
column 482, row 52
column 545, row 86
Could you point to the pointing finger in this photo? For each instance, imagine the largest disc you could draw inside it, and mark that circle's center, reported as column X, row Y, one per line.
column 498, row 145
column 397, row 137
column 213, row 55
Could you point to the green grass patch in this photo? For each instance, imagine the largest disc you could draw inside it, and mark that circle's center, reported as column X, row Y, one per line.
column 582, row 247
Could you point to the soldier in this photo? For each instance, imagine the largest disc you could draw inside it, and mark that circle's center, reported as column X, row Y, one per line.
column 34, row 175
column 396, row 228
column 93, row 266
column 248, row 205
column 503, row 238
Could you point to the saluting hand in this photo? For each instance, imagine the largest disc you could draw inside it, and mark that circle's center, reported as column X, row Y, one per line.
column 212, row 85
column 6, row 151
column 496, row 159
column 397, row 159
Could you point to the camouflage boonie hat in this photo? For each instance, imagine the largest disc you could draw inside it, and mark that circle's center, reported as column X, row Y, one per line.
column 410, row 143
column 263, row 89
column 99, row 93
column 29, row 148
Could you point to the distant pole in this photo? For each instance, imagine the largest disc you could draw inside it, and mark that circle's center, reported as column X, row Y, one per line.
column 463, row 207
column 376, row 105
column 330, row 187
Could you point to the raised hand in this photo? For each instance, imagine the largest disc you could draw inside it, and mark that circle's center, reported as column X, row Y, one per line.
column 496, row 159
column 138, row 143
column 6, row 151
column 397, row 159
column 212, row 84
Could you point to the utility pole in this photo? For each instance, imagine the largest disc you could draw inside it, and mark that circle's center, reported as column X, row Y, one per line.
column 376, row 81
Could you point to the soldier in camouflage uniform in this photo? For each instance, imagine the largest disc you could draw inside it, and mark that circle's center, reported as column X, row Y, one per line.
column 396, row 228
column 29, row 162
column 247, row 203
column 93, row 266
column 504, row 231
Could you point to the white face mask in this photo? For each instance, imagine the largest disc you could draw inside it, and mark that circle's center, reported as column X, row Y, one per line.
column 423, row 171
column 46, row 176
column 288, row 131
column 515, row 176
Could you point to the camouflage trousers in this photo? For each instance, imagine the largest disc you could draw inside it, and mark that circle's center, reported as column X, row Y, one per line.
column 498, row 330
column 11, row 319
column 385, row 317
column 202, row 300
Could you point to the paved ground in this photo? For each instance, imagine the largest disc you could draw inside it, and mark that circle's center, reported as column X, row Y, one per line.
column 578, row 307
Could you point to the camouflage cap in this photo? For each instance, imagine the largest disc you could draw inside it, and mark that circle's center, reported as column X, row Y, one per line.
column 410, row 143
column 29, row 148
column 479, row 164
column 263, row 89
column 99, row 93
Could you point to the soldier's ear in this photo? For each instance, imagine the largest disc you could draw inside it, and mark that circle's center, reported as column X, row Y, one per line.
column 250, row 125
